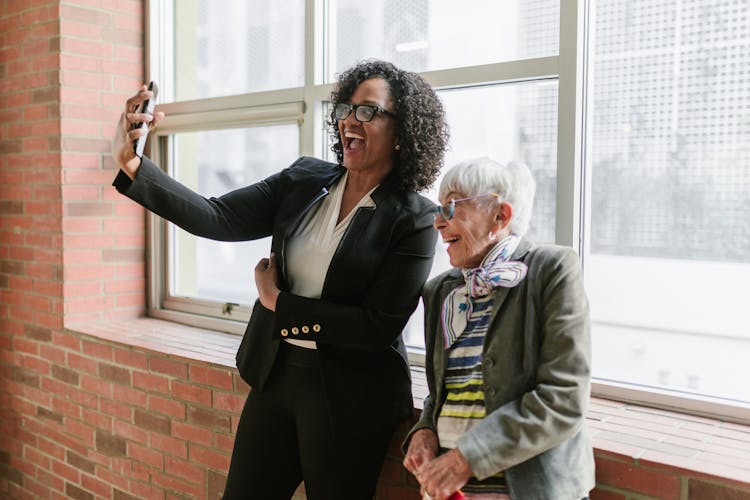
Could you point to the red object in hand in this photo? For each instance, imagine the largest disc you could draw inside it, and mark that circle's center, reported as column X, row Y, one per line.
column 457, row 496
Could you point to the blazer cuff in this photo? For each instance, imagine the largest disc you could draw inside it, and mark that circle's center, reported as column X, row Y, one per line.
column 288, row 325
column 419, row 425
column 122, row 182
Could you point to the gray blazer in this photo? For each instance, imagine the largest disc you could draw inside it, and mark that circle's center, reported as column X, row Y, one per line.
column 537, row 376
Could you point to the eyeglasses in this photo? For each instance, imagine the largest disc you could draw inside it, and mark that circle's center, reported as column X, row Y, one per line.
column 362, row 112
column 449, row 209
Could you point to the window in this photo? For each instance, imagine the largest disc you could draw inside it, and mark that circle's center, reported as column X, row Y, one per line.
column 633, row 116
column 668, row 262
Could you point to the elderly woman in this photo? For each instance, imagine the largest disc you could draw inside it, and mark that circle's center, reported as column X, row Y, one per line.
column 508, row 351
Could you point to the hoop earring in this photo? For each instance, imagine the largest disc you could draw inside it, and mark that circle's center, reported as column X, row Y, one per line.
column 398, row 147
column 492, row 236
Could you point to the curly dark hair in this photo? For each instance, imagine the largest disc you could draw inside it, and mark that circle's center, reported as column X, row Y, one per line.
column 421, row 129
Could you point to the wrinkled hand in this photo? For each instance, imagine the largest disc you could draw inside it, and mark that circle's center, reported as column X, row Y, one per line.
column 441, row 477
column 122, row 144
column 423, row 448
column 267, row 279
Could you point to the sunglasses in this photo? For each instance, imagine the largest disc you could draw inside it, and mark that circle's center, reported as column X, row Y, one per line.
column 362, row 112
column 447, row 210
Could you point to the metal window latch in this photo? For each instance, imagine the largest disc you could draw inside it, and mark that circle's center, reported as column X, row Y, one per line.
column 228, row 307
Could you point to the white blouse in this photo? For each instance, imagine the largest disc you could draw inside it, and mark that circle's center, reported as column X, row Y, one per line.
column 310, row 249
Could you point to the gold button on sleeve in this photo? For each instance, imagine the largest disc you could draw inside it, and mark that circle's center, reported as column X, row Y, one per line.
column 305, row 329
column 284, row 332
column 295, row 330
column 316, row 328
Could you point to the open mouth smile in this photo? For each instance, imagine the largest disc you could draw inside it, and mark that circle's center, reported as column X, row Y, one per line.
column 353, row 141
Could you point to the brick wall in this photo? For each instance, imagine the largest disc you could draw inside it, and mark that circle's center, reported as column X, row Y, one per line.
column 85, row 417
column 96, row 419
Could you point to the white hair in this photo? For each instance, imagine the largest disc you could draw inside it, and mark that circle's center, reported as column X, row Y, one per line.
column 513, row 182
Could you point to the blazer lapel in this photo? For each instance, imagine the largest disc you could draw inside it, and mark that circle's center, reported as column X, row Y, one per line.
column 439, row 352
column 501, row 293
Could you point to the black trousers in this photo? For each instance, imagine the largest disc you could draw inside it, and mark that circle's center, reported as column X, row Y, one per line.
column 285, row 437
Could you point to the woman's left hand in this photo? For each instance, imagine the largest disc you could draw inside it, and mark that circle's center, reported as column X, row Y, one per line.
column 445, row 475
column 266, row 279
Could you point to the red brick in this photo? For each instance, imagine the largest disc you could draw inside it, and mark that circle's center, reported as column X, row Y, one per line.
column 49, row 481
column 146, row 455
column 130, row 396
column 83, row 398
column 97, row 386
column 141, row 490
column 67, row 341
column 52, row 448
column 100, row 488
column 97, row 419
column 40, row 366
column 134, row 300
column 166, row 406
column 211, row 376
column 115, row 480
column 82, row 431
column 82, row 15
column 192, row 393
column 66, row 407
column 149, row 381
column 191, row 433
column 168, row 367
column 209, row 457
column 66, row 471
column 116, row 409
column 224, row 442
column 703, row 489
column 132, row 433
column 82, row 364
column 86, row 226
column 637, row 479
column 171, row 483
column 184, row 470
column 123, row 286
column 176, row 447
column 35, row 457
column 228, row 402
column 80, row 29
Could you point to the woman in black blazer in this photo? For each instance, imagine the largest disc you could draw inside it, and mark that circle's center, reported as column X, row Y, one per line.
column 323, row 351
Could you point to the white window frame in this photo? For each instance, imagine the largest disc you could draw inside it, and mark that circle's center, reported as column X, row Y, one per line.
column 304, row 105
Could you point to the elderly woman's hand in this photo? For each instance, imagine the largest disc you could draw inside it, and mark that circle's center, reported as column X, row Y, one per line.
column 445, row 475
column 122, row 145
column 266, row 279
column 423, row 448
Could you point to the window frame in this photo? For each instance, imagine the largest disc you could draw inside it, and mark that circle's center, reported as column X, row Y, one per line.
column 306, row 106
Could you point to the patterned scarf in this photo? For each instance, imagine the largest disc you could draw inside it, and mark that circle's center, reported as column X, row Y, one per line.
column 494, row 271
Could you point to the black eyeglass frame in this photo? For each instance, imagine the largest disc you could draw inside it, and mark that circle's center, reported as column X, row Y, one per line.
column 355, row 108
column 448, row 210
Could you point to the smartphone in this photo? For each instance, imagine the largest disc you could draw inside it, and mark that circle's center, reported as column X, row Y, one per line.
column 146, row 107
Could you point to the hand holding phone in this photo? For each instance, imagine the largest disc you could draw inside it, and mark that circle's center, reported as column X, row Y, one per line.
column 146, row 107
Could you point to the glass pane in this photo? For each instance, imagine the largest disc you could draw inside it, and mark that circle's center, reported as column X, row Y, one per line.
column 668, row 273
column 425, row 35
column 213, row 163
column 504, row 122
column 237, row 46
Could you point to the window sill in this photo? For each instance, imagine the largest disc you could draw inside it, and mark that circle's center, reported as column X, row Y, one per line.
column 647, row 437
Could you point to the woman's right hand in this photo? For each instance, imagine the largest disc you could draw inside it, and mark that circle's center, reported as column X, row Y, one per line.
column 423, row 448
column 122, row 145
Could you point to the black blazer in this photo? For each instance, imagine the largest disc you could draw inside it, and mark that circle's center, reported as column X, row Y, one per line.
column 370, row 291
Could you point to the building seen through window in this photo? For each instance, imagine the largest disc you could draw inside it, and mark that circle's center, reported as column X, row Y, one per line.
column 665, row 232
